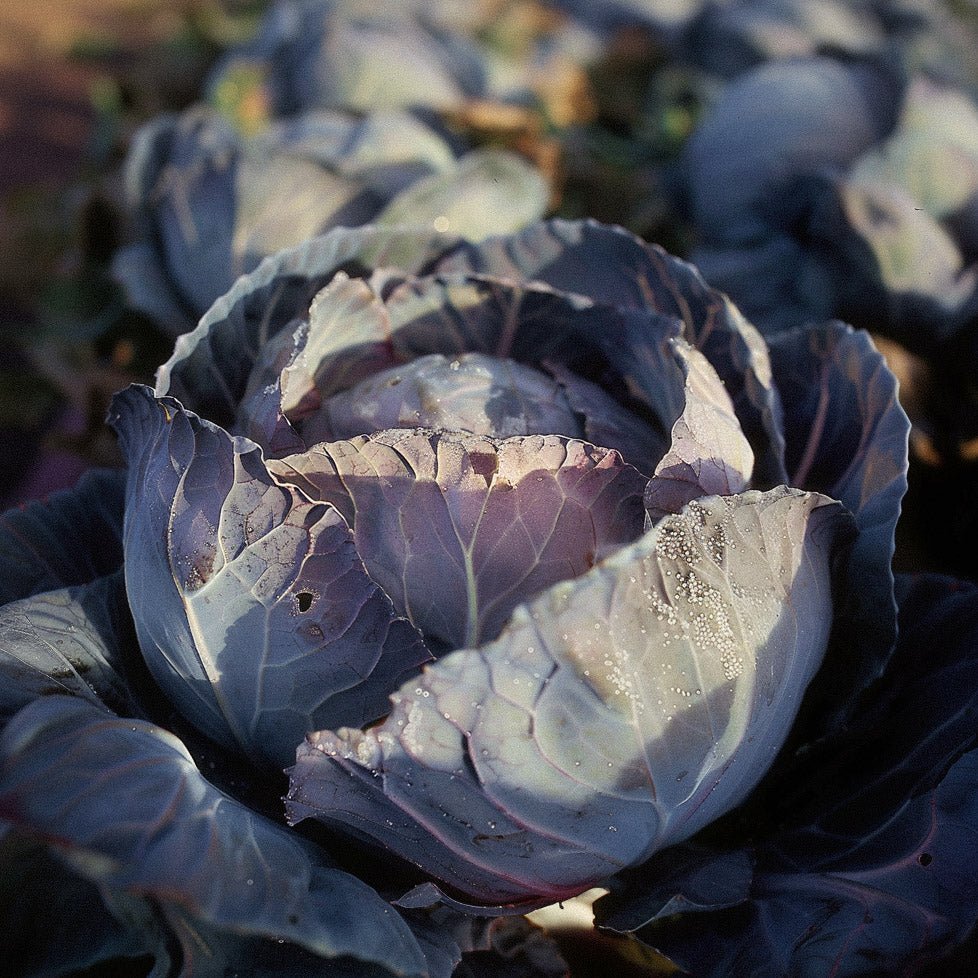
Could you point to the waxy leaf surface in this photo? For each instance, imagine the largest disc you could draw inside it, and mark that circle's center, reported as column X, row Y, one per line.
column 860, row 857
column 612, row 267
column 72, row 537
column 847, row 436
column 473, row 392
column 616, row 713
column 458, row 529
column 123, row 803
column 253, row 609
column 708, row 454
column 72, row 641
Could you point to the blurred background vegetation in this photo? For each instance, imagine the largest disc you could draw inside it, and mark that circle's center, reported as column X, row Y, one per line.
column 76, row 78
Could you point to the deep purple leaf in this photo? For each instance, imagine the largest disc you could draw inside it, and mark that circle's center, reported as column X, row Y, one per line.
column 863, row 851
column 143, row 278
column 458, row 529
column 70, row 641
column 123, row 803
column 617, row 713
column 708, row 454
column 612, row 267
column 252, row 607
column 72, row 537
column 181, row 177
column 210, row 952
column 847, row 436
column 261, row 420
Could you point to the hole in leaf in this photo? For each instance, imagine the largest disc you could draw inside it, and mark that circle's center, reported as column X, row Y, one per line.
column 303, row 601
column 484, row 464
column 925, row 859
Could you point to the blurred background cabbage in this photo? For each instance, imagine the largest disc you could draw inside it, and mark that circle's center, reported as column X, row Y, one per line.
column 816, row 158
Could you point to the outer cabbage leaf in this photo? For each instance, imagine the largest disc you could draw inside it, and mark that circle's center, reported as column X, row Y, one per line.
column 253, row 610
column 138, row 270
column 55, row 922
column 206, row 952
column 617, row 713
column 210, row 203
column 210, row 367
column 847, row 436
column 181, row 175
column 72, row 537
column 122, row 802
column 861, row 858
column 68, row 641
column 458, row 529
